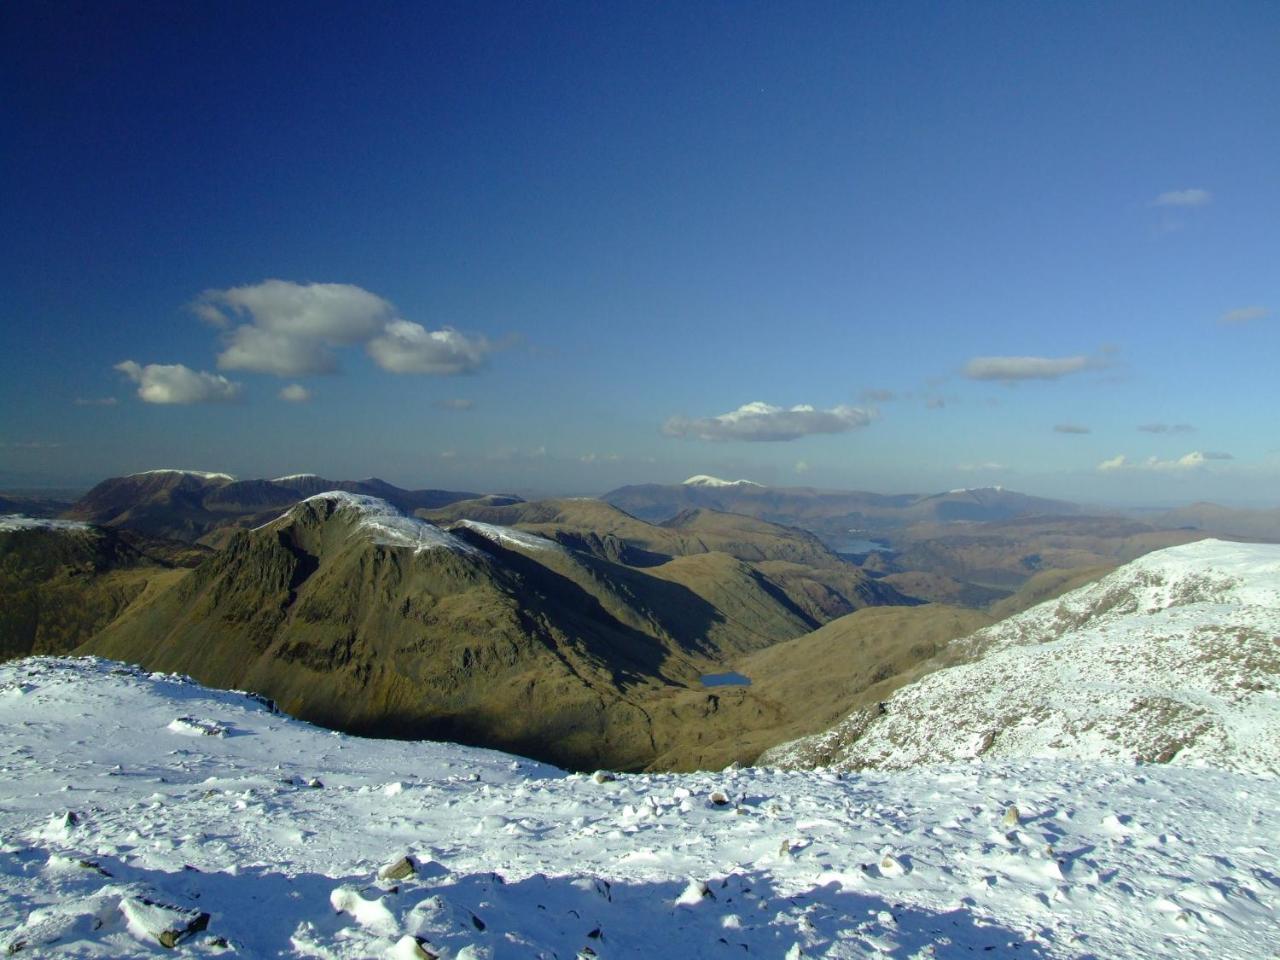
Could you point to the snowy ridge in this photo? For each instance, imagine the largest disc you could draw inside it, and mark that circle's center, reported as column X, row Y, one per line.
column 387, row 526
column 135, row 805
column 295, row 476
column 1172, row 658
column 190, row 473
column 702, row 480
column 13, row 522
column 509, row 536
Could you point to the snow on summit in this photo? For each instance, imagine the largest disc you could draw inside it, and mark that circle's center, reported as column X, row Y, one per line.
column 142, row 811
column 1172, row 658
column 385, row 524
column 13, row 522
column 702, row 480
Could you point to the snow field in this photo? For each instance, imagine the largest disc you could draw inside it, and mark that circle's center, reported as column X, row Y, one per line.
column 116, row 829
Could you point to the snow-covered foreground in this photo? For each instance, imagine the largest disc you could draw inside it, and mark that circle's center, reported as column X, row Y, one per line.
column 137, row 807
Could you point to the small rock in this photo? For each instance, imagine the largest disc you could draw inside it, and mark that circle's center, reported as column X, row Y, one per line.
column 1012, row 817
column 315, row 784
column 412, row 948
column 603, row 776
column 891, row 866
column 400, row 869
column 166, row 925
column 719, row 798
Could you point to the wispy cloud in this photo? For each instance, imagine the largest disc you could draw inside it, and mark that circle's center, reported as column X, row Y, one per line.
column 990, row 466
column 295, row 393
column 173, row 383
column 1190, row 461
column 1013, row 369
column 759, row 421
column 1244, row 315
column 95, row 401
column 456, row 403
column 32, row 445
column 1070, row 428
column 1191, row 197
column 292, row 329
column 1166, row 428
column 877, row 396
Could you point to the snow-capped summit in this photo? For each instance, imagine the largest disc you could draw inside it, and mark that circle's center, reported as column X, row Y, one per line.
column 1169, row 659
column 383, row 523
column 202, row 474
column 703, row 480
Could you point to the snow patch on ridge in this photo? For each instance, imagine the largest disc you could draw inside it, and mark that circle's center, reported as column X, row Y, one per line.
column 703, row 480
column 509, row 536
column 13, row 522
column 296, row 476
column 189, row 473
column 387, row 526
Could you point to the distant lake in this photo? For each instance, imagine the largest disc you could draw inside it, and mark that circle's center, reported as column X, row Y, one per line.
column 862, row 546
column 725, row 680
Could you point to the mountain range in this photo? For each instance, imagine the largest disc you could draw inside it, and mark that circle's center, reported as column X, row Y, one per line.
column 566, row 629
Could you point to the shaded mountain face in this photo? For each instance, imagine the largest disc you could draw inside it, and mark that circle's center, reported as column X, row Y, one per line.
column 190, row 506
column 1171, row 658
column 61, row 582
column 353, row 615
column 814, row 580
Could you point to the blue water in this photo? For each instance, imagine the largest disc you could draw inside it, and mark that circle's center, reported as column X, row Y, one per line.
column 725, row 680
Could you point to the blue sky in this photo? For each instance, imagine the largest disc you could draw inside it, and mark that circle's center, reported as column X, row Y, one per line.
column 556, row 248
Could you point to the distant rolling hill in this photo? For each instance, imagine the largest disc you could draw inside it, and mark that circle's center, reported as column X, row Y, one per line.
column 195, row 506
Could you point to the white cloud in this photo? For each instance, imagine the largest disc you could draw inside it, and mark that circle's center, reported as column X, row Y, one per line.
column 292, row 329
column 456, row 403
column 802, row 466
column 175, row 383
column 1011, row 369
column 989, row 466
column 1070, row 428
column 332, row 312
column 1244, row 315
column 1191, row 197
column 407, row 347
column 295, row 393
column 268, row 351
column 1190, row 461
column 763, row 422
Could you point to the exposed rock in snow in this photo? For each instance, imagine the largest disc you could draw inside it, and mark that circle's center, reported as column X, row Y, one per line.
column 1172, row 658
